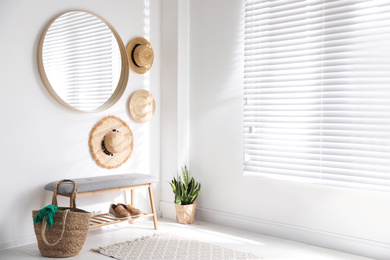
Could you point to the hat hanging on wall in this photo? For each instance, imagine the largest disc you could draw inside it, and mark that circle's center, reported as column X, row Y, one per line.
column 111, row 142
column 142, row 106
column 140, row 55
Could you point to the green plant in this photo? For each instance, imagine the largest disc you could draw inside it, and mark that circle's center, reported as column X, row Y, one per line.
column 186, row 191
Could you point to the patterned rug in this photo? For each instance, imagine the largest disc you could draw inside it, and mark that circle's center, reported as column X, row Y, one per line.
column 168, row 246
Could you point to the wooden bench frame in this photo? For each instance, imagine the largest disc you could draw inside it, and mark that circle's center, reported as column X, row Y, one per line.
column 106, row 219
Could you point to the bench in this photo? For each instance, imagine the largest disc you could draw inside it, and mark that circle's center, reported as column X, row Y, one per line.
column 110, row 183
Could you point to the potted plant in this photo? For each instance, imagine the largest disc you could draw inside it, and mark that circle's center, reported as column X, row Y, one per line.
column 186, row 191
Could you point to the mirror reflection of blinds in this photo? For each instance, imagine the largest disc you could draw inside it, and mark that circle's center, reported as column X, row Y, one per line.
column 317, row 91
column 80, row 53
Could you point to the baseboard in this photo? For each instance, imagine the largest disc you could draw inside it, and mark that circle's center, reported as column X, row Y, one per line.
column 18, row 242
column 167, row 210
column 344, row 243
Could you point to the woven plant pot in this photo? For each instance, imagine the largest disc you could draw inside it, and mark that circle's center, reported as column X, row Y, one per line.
column 67, row 235
column 185, row 214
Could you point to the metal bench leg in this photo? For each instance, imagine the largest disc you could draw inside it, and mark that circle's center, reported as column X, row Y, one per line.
column 152, row 206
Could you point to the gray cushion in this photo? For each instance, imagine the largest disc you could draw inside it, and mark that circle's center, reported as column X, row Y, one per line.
column 103, row 182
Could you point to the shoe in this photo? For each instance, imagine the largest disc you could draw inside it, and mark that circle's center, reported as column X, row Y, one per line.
column 134, row 212
column 119, row 211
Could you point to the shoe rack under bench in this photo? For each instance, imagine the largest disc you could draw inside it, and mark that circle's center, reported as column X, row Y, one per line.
column 106, row 219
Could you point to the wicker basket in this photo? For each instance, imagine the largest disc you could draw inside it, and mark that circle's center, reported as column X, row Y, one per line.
column 67, row 235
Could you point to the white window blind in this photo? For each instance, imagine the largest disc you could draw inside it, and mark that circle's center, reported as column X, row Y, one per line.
column 317, row 91
column 82, row 60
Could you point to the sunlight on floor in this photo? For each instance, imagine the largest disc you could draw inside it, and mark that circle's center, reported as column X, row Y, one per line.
column 228, row 238
column 269, row 248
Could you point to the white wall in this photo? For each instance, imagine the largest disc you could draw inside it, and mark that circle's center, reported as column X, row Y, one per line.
column 216, row 76
column 175, row 119
column 169, row 93
column 43, row 141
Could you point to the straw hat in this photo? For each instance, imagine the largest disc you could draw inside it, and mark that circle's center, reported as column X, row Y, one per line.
column 142, row 106
column 140, row 55
column 111, row 142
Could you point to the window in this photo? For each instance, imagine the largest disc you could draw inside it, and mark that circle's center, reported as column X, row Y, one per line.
column 317, row 91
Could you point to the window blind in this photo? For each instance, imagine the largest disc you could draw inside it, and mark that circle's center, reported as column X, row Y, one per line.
column 317, row 91
column 82, row 60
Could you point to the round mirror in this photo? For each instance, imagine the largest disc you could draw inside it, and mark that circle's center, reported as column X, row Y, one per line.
column 83, row 62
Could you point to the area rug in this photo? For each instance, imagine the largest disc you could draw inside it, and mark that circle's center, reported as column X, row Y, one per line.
column 168, row 246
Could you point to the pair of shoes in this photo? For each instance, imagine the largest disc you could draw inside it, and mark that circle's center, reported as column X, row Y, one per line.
column 119, row 211
column 134, row 212
column 124, row 211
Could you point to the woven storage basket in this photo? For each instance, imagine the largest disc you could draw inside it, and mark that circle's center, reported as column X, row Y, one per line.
column 67, row 235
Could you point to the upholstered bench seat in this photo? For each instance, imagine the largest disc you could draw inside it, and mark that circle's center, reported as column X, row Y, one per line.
column 108, row 183
column 103, row 182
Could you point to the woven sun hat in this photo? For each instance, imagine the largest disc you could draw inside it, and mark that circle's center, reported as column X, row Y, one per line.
column 142, row 106
column 140, row 55
column 111, row 142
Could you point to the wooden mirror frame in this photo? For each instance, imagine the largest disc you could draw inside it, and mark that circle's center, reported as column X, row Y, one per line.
column 122, row 82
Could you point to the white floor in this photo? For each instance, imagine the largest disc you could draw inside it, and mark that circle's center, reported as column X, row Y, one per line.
column 264, row 246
